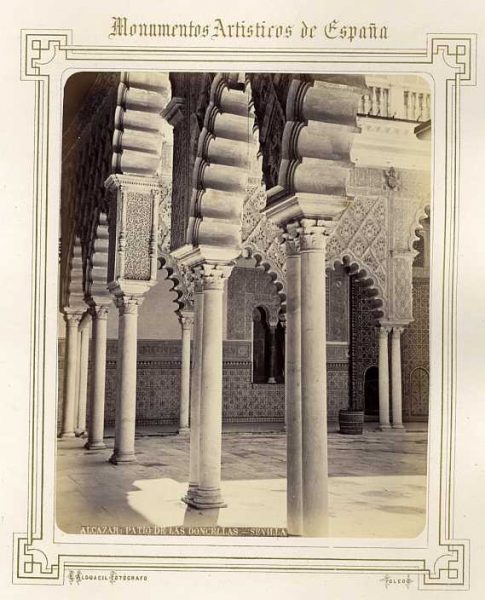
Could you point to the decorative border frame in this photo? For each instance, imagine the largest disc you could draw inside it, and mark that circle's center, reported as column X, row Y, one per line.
column 443, row 562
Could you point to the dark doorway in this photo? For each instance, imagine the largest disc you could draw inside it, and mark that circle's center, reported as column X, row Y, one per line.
column 261, row 346
column 371, row 392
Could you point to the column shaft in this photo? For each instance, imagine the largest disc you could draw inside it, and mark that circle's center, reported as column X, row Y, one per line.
column 98, row 374
column 208, row 494
column 384, row 422
column 83, row 379
column 195, row 393
column 396, row 378
column 186, row 323
column 124, row 450
column 314, row 385
column 272, row 356
column 70, row 366
column 294, row 464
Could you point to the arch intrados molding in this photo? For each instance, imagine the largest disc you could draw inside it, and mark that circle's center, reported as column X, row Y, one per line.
column 174, row 275
column 362, row 273
column 422, row 213
column 250, row 250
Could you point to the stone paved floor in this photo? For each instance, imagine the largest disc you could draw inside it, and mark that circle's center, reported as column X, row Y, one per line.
column 377, row 483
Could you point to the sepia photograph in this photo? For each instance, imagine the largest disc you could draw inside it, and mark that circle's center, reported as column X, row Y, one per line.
column 242, row 339
column 243, row 319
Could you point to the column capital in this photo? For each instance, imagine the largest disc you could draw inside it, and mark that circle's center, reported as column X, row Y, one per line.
column 291, row 239
column 99, row 311
column 312, row 235
column 397, row 330
column 186, row 320
column 213, row 276
column 384, row 330
column 128, row 305
column 73, row 317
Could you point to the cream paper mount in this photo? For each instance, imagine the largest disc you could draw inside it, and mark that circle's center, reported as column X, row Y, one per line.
column 439, row 558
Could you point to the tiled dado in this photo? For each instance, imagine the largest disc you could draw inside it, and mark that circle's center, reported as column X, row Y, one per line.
column 158, row 384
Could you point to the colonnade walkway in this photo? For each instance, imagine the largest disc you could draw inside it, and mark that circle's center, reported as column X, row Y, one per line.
column 377, row 483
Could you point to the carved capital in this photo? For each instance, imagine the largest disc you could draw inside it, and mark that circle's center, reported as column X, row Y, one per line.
column 99, row 311
column 312, row 235
column 291, row 238
column 186, row 320
column 128, row 305
column 213, row 276
column 397, row 331
column 72, row 318
column 383, row 331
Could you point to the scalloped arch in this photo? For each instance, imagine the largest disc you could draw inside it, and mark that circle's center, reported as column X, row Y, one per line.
column 421, row 214
column 366, row 277
column 252, row 251
column 184, row 299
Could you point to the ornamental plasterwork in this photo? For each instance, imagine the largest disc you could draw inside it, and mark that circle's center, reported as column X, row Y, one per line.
column 164, row 216
column 138, row 233
column 261, row 234
column 360, row 235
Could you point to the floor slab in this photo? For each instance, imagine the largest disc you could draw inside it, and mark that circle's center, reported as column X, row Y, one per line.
column 377, row 483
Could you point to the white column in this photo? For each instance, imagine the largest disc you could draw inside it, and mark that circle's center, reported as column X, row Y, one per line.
column 208, row 494
column 99, row 315
column 384, row 422
column 70, row 373
column 294, row 464
column 396, row 378
column 124, row 449
column 186, row 322
column 85, row 330
column 272, row 356
column 195, row 392
column 314, row 380
column 78, row 372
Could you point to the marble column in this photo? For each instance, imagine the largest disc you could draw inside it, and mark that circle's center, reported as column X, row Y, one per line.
column 272, row 355
column 208, row 494
column 396, row 378
column 78, row 370
column 384, row 422
column 99, row 315
column 70, row 373
column 124, row 447
column 294, row 463
column 85, row 328
column 186, row 322
column 314, row 380
column 195, row 391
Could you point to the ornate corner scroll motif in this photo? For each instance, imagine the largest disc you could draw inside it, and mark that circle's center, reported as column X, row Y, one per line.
column 39, row 47
column 31, row 563
column 458, row 52
column 450, row 570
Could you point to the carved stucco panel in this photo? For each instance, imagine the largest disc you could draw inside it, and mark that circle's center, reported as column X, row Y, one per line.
column 139, row 217
column 402, row 292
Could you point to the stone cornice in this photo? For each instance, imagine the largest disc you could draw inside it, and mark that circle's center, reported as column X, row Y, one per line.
column 390, row 143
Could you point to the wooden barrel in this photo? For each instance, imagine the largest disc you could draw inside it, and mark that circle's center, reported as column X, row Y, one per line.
column 351, row 422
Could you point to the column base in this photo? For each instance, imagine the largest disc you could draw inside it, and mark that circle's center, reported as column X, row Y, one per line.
column 206, row 499
column 271, row 380
column 79, row 432
column 399, row 427
column 67, row 435
column 184, row 431
column 384, row 427
column 95, row 445
column 120, row 458
column 191, row 493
